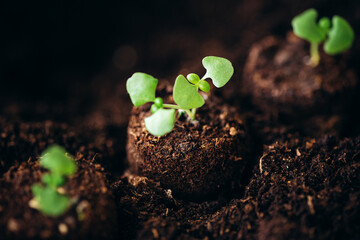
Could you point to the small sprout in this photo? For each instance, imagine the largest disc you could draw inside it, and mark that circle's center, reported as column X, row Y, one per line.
column 141, row 88
column 338, row 37
column 61, row 165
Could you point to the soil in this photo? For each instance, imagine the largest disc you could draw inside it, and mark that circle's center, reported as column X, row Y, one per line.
column 300, row 189
column 311, row 186
column 93, row 215
column 278, row 80
column 21, row 145
column 307, row 189
column 197, row 159
column 21, row 140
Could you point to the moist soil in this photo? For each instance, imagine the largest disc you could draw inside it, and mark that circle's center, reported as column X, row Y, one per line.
column 198, row 158
column 278, row 79
column 301, row 188
column 93, row 213
column 308, row 187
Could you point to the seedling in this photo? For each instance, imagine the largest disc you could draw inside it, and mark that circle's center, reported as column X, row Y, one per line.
column 337, row 38
column 61, row 165
column 141, row 88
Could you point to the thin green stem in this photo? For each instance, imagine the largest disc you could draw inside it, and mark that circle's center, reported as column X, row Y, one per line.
column 191, row 113
column 314, row 54
column 173, row 106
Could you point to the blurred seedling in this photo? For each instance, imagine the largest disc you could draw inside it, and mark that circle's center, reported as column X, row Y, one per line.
column 47, row 197
column 336, row 35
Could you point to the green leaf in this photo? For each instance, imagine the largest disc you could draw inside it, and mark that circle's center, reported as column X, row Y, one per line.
column 161, row 122
column 305, row 27
column 341, row 36
column 55, row 159
column 325, row 23
column 51, row 203
column 193, row 78
column 218, row 69
column 141, row 88
column 204, row 86
column 159, row 102
column 154, row 108
column 186, row 95
column 53, row 180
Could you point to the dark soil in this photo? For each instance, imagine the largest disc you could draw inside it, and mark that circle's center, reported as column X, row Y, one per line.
column 278, row 79
column 301, row 189
column 23, row 140
column 93, row 214
column 307, row 189
column 309, row 184
column 197, row 159
column 21, row 146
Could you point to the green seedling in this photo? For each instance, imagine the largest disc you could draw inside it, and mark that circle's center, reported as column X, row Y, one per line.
column 141, row 88
column 60, row 165
column 337, row 35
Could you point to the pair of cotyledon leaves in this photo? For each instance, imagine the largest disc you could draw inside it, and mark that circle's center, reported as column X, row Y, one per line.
column 60, row 165
column 141, row 88
column 337, row 39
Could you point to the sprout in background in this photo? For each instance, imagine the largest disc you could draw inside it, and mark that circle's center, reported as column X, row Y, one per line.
column 337, row 37
column 61, row 165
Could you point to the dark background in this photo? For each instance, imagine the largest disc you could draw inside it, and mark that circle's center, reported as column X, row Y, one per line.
column 58, row 51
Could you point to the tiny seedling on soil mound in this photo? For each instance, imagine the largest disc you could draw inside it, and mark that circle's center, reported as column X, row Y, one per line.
column 141, row 88
column 337, row 37
column 61, row 165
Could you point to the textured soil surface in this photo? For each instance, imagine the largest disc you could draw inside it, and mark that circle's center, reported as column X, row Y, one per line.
column 277, row 78
column 299, row 183
column 97, row 148
column 307, row 189
column 92, row 215
column 195, row 160
column 301, row 189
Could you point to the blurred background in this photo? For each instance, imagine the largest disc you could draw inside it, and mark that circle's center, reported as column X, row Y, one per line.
column 62, row 58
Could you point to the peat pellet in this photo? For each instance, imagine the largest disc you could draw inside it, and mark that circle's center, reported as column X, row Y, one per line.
column 195, row 160
column 278, row 79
